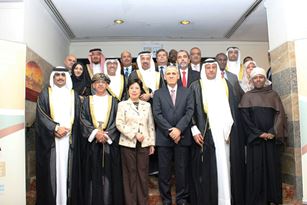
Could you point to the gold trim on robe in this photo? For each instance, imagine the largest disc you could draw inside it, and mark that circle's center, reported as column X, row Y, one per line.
column 95, row 123
column 240, row 76
column 122, row 84
column 158, row 77
column 205, row 105
column 145, row 88
column 72, row 113
column 90, row 71
column 50, row 103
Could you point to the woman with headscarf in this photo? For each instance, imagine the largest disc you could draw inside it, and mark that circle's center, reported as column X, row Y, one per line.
column 218, row 151
column 80, row 84
column 245, row 82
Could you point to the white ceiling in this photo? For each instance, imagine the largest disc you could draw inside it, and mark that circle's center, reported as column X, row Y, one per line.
column 158, row 20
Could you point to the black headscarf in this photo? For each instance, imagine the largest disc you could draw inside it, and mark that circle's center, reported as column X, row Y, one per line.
column 80, row 84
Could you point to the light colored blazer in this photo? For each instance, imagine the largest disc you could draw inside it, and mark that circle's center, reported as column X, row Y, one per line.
column 130, row 121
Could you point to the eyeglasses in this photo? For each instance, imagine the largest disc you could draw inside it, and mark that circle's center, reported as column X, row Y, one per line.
column 58, row 74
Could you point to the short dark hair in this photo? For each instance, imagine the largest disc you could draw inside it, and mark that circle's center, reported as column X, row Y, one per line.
column 220, row 54
column 161, row 50
column 184, row 51
column 247, row 58
column 138, row 81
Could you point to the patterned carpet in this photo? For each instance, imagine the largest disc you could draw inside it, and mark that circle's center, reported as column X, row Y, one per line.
column 154, row 195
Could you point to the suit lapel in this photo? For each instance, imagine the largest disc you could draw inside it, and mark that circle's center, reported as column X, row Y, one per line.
column 168, row 96
column 189, row 79
column 178, row 96
column 132, row 106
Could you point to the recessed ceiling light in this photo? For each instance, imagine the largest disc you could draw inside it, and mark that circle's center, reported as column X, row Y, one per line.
column 185, row 22
column 119, row 21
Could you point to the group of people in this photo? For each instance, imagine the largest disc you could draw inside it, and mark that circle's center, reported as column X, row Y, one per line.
column 216, row 125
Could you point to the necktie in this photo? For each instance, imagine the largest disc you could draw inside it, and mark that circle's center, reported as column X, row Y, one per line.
column 173, row 96
column 126, row 72
column 184, row 79
column 222, row 74
column 161, row 70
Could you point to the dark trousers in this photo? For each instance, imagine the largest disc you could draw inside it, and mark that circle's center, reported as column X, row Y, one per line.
column 180, row 154
column 135, row 174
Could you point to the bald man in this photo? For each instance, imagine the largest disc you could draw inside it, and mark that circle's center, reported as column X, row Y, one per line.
column 69, row 61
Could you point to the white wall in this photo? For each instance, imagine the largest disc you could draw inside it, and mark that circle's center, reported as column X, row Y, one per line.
column 12, row 21
column 286, row 21
column 258, row 50
column 43, row 35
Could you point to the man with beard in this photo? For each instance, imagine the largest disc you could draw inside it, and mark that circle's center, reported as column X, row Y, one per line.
column 218, row 152
column 57, row 143
column 101, row 155
column 187, row 75
column 147, row 74
column 96, row 59
column 117, row 86
column 69, row 61
column 234, row 62
column 127, row 65
column 195, row 54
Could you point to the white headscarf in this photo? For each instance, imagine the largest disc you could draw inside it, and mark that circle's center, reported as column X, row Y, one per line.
column 60, row 69
column 215, row 98
column 234, row 66
column 149, row 75
column 245, row 84
column 102, row 59
column 259, row 71
column 116, row 79
column 63, row 102
column 61, row 98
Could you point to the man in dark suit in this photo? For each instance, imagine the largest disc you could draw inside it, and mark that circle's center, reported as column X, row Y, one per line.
column 221, row 59
column 195, row 55
column 127, row 65
column 162, row 63
column 186, row 74
column 173, row 107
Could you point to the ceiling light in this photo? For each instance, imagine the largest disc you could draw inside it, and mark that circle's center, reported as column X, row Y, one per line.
column 185, row 22
column 119, row 21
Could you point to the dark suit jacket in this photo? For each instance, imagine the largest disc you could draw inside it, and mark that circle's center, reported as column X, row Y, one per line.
column 201, row 65
column 134, row 67
column 192, row 76
column 233, row 80
column 167, row 115
column 162, row 81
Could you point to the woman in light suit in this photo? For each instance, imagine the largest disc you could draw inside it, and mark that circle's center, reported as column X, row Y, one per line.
column 135, row 122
